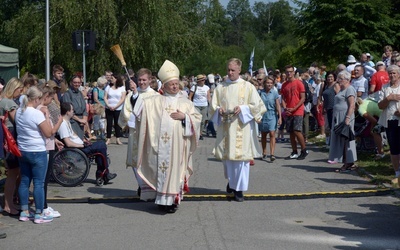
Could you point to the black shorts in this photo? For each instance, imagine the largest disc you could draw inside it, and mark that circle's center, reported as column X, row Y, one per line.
column 294, row 123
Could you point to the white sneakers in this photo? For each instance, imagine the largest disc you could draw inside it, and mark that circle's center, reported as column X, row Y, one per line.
column 51, row 212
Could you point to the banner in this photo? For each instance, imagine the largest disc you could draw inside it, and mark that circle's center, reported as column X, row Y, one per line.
column 251, row 63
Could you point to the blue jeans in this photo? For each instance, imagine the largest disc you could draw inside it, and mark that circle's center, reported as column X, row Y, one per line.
column 33, row 166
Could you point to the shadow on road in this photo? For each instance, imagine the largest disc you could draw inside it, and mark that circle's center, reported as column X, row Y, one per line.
column 371, row 229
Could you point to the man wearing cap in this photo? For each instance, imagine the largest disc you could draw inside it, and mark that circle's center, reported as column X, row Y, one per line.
column 168, row 129
column 378, row 79
column 235, row 106
column 200, row 95
column 134, row 100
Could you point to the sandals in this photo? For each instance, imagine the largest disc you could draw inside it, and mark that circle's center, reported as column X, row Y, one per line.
column 343, row 169
column 353, row 167
column 347, row 168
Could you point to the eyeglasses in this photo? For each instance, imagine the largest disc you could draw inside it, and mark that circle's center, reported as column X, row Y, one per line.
column 260, row 79
column 289, row 71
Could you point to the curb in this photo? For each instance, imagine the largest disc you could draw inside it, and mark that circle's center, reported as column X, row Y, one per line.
column 224, row 197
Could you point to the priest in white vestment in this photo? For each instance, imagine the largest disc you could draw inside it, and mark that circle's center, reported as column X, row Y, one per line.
column 134, row 100
column 168, row 128
column 236, row 105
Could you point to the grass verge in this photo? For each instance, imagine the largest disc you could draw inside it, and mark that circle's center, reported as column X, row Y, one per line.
column 381, row 170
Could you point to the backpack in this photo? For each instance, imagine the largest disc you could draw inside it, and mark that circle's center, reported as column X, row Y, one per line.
column 308, row 93
column 91, row 96
column 194, row 92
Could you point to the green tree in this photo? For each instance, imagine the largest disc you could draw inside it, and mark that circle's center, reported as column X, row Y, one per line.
column 241, row 19
column 274, row 22
column 330, row 30
column 148, row 31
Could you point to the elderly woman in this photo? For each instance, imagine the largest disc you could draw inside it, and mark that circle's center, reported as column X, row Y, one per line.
column 342, row 149
column 272, row 118
column 98, row 97
column 75, row 96
column 389, row 98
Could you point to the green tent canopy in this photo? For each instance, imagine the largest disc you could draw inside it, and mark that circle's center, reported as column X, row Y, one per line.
column 8, row 62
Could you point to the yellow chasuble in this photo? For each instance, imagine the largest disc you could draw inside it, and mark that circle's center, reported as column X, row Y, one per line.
column 235, row 140
column 166, row 146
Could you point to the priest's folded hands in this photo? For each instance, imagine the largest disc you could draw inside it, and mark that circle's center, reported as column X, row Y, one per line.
column 178, row 115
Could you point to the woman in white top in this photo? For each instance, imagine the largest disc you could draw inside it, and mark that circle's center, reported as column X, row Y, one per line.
column 389, row 98
column 201, row 97
column 114, row 97
column 32, row 129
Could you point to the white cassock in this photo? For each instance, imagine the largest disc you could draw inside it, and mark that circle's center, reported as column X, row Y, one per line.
column 237, row 141
column 166, row 147
column 127, row 117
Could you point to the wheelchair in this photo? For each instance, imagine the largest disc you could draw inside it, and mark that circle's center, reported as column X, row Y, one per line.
column 71, row 167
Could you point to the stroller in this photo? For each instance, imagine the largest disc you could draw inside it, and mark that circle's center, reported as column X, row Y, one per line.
column 362, row 132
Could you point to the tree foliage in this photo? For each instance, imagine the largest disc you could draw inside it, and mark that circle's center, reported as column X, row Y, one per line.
column 198, row 35
column 330, row 30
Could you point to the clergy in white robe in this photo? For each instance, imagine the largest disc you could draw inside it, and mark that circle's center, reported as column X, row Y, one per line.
column 134, row 100
column 236, row 105
column 168, row 127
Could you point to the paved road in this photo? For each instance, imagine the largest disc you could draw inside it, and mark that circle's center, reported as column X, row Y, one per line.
column 291, row 205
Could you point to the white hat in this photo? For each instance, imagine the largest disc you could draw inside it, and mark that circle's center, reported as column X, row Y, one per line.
column 351, row 59
column 168, row 72
column 211, row 78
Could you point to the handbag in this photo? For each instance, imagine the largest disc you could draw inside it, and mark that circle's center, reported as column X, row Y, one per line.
column 10, row 145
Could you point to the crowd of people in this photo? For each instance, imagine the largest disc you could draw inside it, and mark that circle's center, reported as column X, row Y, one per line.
column 165, row 115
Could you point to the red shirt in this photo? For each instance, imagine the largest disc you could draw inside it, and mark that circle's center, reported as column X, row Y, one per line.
column 290, row 92
column 379, row 79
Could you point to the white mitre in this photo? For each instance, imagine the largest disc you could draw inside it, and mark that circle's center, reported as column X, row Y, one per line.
column 168, row 72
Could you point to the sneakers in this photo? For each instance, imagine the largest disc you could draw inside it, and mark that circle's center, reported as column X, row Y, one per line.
column 303, row 154
column 320, row 136
column 379, row 156
column 25, row 217
column 49, row 211
column 111, row 176
column 42, row 218
column 293, row 155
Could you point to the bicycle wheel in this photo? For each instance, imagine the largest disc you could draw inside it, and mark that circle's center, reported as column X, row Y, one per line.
column 70, row 167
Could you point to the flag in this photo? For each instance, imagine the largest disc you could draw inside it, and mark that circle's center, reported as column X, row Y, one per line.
column 265, row 68
column 251, row 63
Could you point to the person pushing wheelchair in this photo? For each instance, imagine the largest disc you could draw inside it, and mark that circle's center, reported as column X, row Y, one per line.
column 72, row 140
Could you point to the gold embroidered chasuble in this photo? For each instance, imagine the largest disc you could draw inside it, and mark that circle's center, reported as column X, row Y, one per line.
column 166, row 147
column 235, row 139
